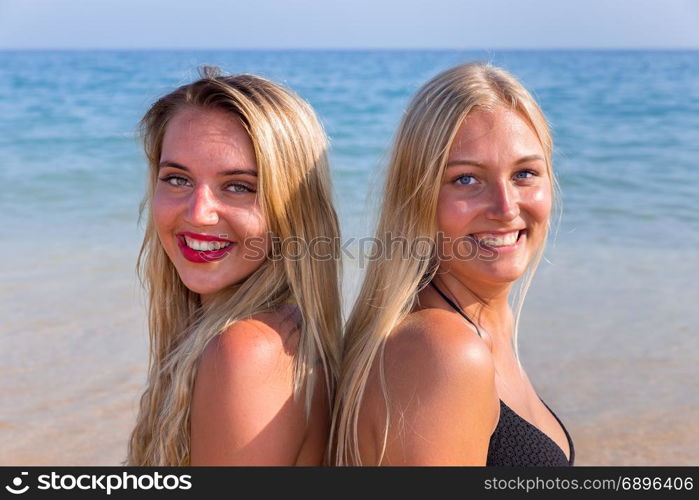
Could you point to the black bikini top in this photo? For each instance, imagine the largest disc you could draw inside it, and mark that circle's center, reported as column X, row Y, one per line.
column 515, row 441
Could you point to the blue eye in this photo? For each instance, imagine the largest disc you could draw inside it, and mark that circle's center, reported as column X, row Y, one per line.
column 238, row 187
column 175, row 180
column 465, row 180
column 525, row 174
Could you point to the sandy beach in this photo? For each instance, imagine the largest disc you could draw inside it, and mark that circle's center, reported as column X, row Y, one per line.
column 74, row 356
column 609, row 336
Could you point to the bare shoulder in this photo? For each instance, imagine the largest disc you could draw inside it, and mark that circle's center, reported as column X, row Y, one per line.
column 257, row 342
column 435, row 370
column 243, row 410
column 440, row 345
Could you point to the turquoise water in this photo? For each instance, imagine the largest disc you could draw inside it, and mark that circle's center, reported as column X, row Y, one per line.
column 626, row 128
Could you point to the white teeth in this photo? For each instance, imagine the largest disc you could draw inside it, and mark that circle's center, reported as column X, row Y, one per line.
column 501, row 240
column 205, row 246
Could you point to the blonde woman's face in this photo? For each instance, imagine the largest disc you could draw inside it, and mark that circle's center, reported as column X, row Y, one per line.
column 495, row 198
column 205, row 205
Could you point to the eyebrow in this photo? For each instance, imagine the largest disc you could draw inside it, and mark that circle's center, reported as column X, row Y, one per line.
column 173, row 164
column 523, row 159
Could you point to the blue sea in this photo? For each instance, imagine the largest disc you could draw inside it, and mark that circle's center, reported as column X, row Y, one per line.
column 625, row 124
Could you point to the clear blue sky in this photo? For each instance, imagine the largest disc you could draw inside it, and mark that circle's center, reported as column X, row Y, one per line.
column 318, row 24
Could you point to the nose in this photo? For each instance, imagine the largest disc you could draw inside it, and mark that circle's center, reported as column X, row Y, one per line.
column 203, row 207
column 503, row 203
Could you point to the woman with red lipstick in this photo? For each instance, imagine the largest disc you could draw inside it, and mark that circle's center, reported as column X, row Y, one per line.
column 244, row 339
column 431, row 373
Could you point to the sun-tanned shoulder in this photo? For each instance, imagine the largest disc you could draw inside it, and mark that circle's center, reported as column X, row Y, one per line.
column 257, row 342
column 230, row 413
column 439, row 343
column 436, row 370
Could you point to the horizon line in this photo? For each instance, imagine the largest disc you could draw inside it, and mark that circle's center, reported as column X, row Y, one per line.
column 345, row 49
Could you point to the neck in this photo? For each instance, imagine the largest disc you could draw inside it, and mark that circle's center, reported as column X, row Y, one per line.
column 487, row 305
column 205, row 300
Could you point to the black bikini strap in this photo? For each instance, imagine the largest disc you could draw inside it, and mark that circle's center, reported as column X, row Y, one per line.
column 456, row 308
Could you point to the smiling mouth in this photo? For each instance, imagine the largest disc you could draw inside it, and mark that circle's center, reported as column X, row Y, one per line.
column 203, row 252
column 204, row 246
column 498, row 240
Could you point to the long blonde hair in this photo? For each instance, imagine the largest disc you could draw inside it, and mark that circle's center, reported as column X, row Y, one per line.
column 295, row 196
column 413, row 180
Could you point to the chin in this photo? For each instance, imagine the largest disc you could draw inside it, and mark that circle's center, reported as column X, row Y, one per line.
column 209, row 283
column 508, row 279
column 502, row 276
column 202, row 288
column 202, row 282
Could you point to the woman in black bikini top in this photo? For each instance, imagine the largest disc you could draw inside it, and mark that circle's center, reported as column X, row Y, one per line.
column 468, row 201
column 516, row 442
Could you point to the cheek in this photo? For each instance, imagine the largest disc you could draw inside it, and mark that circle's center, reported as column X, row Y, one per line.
column 163, row 211
column 250, row 227
column 539, row 204
column 247, row 222
column 453, row 214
